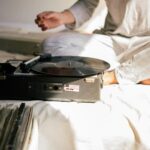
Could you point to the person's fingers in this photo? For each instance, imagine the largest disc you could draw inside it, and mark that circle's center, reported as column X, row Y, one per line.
column 46, row 15
column 37, row 20
column 50, row 15
column 48, row 24
column 40, row 15
column 44, row 28
column 39, row 23
column 45, row 25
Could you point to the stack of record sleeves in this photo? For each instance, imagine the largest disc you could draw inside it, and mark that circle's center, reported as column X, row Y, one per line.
column 15, row 126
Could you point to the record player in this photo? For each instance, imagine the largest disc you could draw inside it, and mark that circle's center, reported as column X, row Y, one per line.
column 46, row 77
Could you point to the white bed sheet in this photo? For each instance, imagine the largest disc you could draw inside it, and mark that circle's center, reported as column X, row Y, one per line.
column 119, row 121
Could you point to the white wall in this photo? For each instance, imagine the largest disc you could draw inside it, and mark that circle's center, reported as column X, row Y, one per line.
column 23, row 12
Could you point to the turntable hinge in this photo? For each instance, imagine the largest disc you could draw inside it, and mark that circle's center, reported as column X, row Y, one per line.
column 90, row 79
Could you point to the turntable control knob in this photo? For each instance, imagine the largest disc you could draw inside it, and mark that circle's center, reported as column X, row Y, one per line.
column 53, row 87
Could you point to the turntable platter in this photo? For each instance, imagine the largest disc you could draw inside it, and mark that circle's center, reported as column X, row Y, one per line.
column 71, row 66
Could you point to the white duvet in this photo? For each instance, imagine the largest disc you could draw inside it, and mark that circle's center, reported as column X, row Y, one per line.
column 119, row 121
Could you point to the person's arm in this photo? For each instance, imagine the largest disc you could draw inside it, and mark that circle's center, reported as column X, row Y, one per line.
column 73, row 17
column 82, row 10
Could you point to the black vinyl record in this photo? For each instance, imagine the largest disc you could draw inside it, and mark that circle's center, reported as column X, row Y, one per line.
column 74, row 66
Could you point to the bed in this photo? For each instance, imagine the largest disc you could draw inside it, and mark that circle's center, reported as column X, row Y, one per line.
column 120, row 120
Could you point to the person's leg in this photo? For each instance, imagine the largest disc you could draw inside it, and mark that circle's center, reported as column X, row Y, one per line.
column 136, row 69
column 109, row 77
column 146, row 82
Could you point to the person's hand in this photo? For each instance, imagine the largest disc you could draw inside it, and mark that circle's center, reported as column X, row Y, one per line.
column 47, row 20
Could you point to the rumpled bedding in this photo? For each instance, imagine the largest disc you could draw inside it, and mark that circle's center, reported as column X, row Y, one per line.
column 119, row 121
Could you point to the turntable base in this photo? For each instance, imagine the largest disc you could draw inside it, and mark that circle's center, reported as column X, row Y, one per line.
column 53, row 78
column 36, row 87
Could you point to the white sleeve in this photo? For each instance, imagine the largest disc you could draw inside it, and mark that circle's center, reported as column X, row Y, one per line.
column 82, row 11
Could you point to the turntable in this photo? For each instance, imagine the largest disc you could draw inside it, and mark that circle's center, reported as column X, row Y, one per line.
column 59, row 78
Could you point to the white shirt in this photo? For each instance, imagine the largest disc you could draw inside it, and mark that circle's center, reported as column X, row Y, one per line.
column 125, row 17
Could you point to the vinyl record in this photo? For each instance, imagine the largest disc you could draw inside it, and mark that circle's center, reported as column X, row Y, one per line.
column 74, row 66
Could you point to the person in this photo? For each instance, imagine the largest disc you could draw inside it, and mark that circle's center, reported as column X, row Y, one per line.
column 124, row 41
